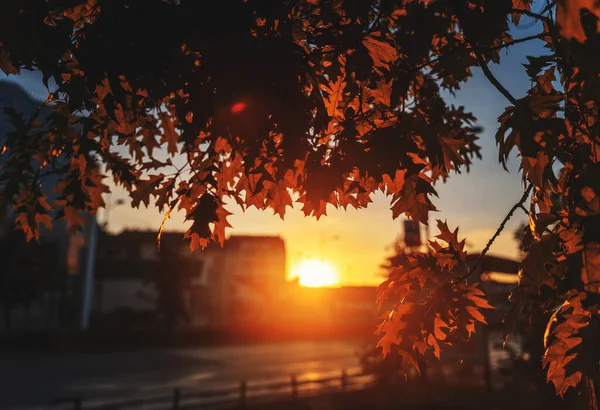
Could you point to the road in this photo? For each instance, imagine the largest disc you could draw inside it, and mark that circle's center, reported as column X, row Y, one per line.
column 29, row 380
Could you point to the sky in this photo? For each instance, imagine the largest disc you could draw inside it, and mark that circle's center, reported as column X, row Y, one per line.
column 356, row 242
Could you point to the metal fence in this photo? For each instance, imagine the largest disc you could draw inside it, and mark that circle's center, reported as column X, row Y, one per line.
column 246, row 393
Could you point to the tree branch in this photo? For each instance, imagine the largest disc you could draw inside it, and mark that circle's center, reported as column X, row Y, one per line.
column 531, row 14
column 518, row 40
column 496, row 234
column 481, row 61
column 494, row 80
column 501, row 46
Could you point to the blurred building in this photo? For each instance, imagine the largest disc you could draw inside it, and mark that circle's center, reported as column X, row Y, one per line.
column 248, row 279
column 50, row 298
column 132, row 278
column 217, row 286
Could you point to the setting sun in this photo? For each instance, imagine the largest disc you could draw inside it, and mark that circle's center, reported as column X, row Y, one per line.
column 315, row 273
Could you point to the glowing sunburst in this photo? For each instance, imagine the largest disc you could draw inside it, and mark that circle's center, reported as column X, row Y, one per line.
column 315, row 273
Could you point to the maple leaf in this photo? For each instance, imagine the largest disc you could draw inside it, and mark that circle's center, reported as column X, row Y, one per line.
column 414, row 201
column 279, row 198
column 334, row 91
column 451, row 238
column 536, row 64
column 74, row 218
column 533, row 168
column 382, row 93
column 432, row 341
column 317, row 209
column 520, row 5
column 144, row 189
column 563, row 344
column 385, row 342
column 476, row 314
column 382, row 53
column 438, row 328
column 476, row 295
column 569, row 18
column 202, row 215
column 170, row 132
column 164, row 194
column 408, row 359
column 590, row 273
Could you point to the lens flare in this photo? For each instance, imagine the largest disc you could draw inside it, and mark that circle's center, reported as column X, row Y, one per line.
column 238, row 107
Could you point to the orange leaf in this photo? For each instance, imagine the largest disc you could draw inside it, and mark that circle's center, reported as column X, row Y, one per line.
column 569, row 18
column 386, row 343
column 382, row 53
column 334, row 90
column 520, row 5
column 476, row 314
column 169, row 132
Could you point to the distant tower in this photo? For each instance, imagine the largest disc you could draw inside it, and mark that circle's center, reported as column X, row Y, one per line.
column 412, row 234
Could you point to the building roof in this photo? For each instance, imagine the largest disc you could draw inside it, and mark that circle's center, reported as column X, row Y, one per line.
column 237, row 241
column 491, row 263
column 129, row 241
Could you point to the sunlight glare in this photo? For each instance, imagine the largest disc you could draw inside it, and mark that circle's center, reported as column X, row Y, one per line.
column 315, row 273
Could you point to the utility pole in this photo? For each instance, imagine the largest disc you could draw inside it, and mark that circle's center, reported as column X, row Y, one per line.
column 88, row 274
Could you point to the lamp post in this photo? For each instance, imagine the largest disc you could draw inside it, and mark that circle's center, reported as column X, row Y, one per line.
column 90, row 263
column 88, row 278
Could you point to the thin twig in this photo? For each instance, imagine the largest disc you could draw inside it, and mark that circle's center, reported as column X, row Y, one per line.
column 479, row 57
column 531, row 14
column 496, row 234
column 494, row 80
column 461, row 48
column 517, row 41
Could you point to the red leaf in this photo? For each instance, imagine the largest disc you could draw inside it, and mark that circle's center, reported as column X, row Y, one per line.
column 569, row 18
column 382, row 53
column 476, row 314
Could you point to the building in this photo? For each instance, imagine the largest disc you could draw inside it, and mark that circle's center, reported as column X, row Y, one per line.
column 132, row 277
column 217, row 286
column 248, row 279
column 51, row 299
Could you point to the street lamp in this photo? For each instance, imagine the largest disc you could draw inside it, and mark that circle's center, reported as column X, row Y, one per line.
column 90, row 263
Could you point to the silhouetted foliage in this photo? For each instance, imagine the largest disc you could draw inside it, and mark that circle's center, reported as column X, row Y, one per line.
column 28, row 271
column 330, row 101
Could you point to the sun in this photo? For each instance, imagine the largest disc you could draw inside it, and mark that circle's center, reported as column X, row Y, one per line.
column 315, row 273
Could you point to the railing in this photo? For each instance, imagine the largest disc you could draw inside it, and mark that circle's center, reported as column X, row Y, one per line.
column 242, row 395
